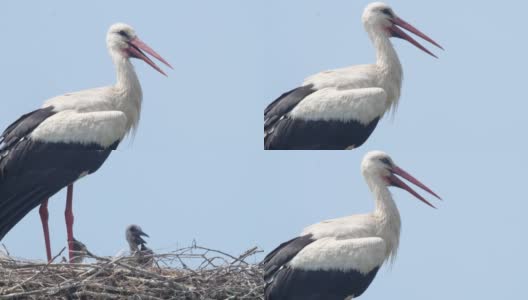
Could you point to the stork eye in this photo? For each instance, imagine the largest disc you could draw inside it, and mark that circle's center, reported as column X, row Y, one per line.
column 123, row 34
column 386, row 161
column 387, row 11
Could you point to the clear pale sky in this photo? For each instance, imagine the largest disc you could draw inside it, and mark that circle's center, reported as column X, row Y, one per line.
column 197, row 170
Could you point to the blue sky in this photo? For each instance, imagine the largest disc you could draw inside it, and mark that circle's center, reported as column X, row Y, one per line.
column 196, row 168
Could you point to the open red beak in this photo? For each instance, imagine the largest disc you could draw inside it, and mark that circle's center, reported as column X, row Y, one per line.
column 395, row 181
column 397, row 32
column 136, row 45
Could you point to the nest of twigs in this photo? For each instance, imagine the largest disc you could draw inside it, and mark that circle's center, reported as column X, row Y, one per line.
column 189, row 273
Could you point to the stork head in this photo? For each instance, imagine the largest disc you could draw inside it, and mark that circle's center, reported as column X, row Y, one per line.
column 121, row 39
column 379, row 17
column 378, row 165
column 134, row 235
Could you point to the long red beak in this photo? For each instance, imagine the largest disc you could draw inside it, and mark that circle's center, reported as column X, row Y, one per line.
column 399, row 183
column 136, row 45
column 397, row 32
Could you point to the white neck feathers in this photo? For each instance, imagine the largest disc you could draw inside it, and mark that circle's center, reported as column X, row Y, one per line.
column 391, row 73
column 387, row 215
column 128, row 90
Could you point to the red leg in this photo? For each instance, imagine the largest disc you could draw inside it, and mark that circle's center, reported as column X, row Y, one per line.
column 43, row 211
column 68, row 213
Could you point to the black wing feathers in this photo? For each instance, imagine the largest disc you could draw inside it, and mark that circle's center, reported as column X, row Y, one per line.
column 283, row 254
column 290, row 134
column 295, row 284
column 286, row 283
column 284, row 104
column 24, row 126
column 282, row 132
column 31, row 171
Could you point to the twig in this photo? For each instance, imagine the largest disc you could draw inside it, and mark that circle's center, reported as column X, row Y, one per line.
column 193, row 273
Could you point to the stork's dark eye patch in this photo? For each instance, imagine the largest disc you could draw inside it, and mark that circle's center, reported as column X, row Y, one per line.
column 387, row 11
column 123, row 33
column 386, row 161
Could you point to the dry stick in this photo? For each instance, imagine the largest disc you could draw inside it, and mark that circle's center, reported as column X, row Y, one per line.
column 93, row 272
column 96, row 295
column 141, row 271
column 46, row 291
column 248, row 253
column 234, row 279
column 218, row 251
column 22, row 283
column 55, row 257
column 34, row 275
column 7, row 251
column 109, row 288
column 183, row 264
column 55, row 290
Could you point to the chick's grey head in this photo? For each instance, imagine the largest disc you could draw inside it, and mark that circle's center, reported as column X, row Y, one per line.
column 134, row 235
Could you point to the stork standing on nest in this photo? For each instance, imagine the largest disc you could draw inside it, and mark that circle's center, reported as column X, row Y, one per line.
column 339, row 109
column 338, row 259
column 69, row 137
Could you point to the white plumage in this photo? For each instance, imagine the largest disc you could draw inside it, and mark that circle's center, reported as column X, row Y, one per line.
column 70, row 136
column 124, row 96
column 331, row 253
column 346, row 252
column 331, row 104
column 70, row 126
column 339, row 109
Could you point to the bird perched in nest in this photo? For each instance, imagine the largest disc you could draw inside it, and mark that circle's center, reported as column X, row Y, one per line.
column 80, row 251
column 142, row 254
column 145, row 256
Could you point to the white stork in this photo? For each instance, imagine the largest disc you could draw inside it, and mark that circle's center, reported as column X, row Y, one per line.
column 337, row 259
column 69, row 137
column 339, row 109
